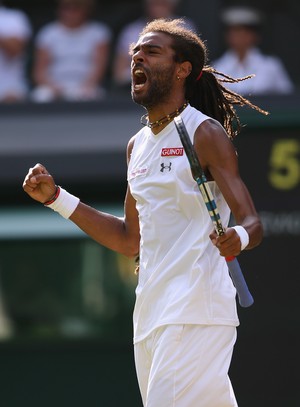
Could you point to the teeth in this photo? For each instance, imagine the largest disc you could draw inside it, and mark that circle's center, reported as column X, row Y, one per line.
column 138, row 72
column 137, row 87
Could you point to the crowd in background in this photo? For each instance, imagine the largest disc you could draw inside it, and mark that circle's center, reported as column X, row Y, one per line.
column 73, row 55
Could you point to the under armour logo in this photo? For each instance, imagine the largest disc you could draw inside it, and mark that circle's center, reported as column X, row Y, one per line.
column 165, row 167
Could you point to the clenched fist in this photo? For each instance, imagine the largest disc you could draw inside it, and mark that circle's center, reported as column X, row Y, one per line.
column 39, row 184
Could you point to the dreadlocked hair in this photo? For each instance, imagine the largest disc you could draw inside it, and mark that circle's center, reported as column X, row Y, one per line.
column 204, row 87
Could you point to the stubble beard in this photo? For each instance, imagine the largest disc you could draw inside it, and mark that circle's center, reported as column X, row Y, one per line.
column 159, row 89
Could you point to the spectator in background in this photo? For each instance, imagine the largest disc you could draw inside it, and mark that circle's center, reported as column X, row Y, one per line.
column 130, row 33
column 71, row 55
column 15, row 32
column 243, row 57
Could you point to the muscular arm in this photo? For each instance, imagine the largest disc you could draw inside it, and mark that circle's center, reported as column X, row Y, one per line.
column 119, row 234
column 219, row 161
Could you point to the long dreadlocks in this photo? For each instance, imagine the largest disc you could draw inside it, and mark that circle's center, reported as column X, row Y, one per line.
column 204, row 87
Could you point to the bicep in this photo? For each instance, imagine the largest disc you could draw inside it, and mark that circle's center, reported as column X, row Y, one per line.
column 235, row 193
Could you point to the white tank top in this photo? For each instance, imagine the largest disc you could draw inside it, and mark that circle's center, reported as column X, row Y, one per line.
column 182, row 277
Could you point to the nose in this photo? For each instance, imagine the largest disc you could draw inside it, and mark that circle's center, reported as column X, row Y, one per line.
column 138, row 56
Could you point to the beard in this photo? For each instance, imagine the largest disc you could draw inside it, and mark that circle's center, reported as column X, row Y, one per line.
column 160, row 83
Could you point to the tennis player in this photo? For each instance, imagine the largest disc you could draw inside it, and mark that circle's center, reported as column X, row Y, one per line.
column 185, row 315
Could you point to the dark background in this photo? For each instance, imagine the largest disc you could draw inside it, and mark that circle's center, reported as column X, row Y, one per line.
column 280, row 32
column 65, row 350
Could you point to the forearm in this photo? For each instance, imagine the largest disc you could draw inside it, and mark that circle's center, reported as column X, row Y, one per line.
column 246, row 215
column 108, row 230
column 253, row 226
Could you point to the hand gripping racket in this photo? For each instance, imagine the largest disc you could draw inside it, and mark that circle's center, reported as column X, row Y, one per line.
column 244, row 295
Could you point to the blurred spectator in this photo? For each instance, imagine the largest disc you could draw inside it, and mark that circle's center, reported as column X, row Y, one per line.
column 243, row 57
column 15, row 31
column 71, row 55
column 130, row 33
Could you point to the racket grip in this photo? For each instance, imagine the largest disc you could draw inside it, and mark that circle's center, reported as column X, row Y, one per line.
column 244, row 295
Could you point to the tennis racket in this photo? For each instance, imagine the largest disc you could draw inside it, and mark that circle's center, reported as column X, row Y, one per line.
column 244, row 295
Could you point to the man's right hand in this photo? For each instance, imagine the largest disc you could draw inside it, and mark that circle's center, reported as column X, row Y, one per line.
column 39, row 184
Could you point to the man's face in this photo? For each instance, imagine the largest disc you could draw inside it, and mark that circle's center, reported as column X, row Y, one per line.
column 73, row 15
column 152, row 69
column 241, row 38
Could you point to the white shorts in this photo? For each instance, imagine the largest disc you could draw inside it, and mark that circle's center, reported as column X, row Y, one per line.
column 186, row 366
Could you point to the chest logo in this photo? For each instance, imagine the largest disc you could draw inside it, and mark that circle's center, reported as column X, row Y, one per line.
column 165, row 167
column 172, row 152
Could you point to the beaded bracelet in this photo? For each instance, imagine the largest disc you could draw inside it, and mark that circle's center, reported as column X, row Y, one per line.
column 54, row 197
column 63, row 202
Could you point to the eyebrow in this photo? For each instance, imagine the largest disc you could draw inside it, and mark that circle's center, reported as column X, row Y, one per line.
column 146, row 46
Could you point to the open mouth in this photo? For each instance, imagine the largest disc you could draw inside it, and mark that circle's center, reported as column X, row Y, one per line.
column 139, row 79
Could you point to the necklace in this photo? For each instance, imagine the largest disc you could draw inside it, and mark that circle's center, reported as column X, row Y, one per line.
column 163, row 120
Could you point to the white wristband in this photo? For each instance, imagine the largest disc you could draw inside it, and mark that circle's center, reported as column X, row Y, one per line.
column 243, row 234
column 65, row 204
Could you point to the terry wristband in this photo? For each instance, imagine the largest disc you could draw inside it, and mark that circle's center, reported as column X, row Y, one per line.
column 63, row 203
column 243, row 234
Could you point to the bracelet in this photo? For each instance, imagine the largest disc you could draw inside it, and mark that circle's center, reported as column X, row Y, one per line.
column 64, row 203
column 54, row 197
column 243, row 235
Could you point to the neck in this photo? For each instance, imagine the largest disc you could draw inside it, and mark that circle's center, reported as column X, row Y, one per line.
column 242, row 54
column 156, row 125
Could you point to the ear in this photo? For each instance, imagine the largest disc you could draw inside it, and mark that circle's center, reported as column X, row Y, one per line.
column 185, row 68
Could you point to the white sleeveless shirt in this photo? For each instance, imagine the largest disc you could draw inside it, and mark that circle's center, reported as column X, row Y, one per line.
column 182, row 277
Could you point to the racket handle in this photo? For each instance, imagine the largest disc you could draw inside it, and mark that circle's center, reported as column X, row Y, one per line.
column 244, row 295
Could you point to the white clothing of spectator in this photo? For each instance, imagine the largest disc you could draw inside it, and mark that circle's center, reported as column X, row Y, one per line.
column 243, row 56
column 72, row 55
column 130, row 33
column 15, row 32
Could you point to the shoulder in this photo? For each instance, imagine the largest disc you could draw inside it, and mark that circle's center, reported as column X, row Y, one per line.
column 131, row 142
column 213, row 144
column 193, row 118
column 49, row 30
column 130, row 146
column 49, row 35
column 138, row 139
column 267, row 61
column 271, row 65
column 210, row 131
column 225, row 59
column 133, row 26
column 130, row 33
column 274, row 62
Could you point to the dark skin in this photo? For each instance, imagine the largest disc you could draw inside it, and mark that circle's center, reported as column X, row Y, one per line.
column 152, row 55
